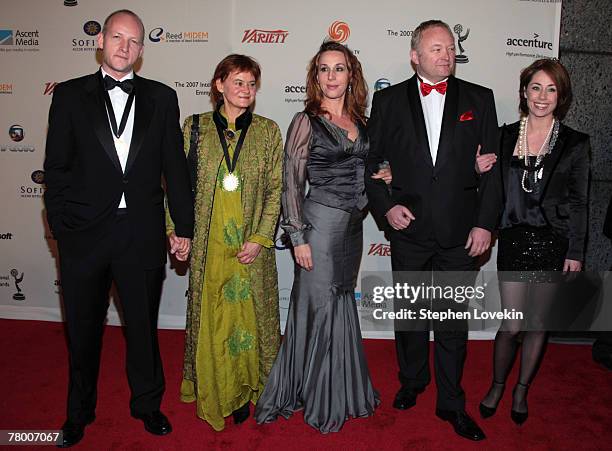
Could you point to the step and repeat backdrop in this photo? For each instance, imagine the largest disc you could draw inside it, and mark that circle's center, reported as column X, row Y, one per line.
column 45, row 42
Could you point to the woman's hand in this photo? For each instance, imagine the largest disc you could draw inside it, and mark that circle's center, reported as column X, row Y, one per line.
column 303, row 256
column 385, row 174
column 248, row 253
column 572, row 265
column 179, row 247
column 485, row 162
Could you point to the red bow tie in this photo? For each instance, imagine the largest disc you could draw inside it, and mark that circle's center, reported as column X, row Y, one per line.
column 426, row 88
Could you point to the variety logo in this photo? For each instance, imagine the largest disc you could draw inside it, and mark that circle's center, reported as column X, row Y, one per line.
column 380, row 249
column 257, row 36
column 19, row 296
column 33, row 191
column 19, row 40
column 462, row 57
column 6, row 88
column 534, row 42
column 339, row 31
column 49, row 87
column 180, row 37
column 90, row 28
column 16, row 133
column 381, row 83
column 6, row 236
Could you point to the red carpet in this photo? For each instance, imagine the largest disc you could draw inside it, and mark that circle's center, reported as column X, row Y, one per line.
column 570, row 402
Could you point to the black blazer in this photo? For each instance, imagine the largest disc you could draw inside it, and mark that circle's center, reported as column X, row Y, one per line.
column 565, row 180
column 447, row 199
column 84, row 180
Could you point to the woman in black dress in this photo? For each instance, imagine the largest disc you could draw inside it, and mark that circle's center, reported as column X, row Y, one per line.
column 544, row 170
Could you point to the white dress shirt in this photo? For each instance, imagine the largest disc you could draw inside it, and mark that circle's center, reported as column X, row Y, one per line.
column 119, row 99
column 433, row 109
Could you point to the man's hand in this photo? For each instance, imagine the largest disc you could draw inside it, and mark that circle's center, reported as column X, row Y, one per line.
column 384, row 174
column 478, row 241
column 179, row 246
column 485, row 162
column 248, row 253
column 303, row 256
column 399, row 217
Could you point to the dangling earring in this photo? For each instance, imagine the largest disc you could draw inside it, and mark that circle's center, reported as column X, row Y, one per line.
column 350, row 88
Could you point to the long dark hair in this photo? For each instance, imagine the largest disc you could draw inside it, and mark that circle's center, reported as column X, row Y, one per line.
column 355, row 99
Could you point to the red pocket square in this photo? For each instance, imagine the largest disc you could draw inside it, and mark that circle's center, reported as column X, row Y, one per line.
column 467, row 116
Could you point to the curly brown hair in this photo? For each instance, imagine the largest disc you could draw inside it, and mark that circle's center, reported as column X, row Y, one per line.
column 232, row 63
column 356, row 98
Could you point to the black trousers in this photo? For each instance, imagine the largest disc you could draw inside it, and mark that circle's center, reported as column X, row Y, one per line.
column 86, row 280
column 412, row 347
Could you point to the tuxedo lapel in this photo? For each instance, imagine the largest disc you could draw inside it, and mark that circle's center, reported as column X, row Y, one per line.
column 142, row 118
column 418, row 120
column 99, row 118
column 551, row 161
column 449, row 122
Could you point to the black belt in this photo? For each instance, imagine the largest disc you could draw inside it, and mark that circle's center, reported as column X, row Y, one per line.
column 122, row 211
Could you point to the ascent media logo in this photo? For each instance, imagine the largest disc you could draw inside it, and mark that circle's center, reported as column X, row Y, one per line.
column 19, row 40
column 6, row 37
column 257, row 36
column 339, row 31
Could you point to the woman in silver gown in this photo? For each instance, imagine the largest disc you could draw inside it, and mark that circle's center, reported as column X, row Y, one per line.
column 321, row 366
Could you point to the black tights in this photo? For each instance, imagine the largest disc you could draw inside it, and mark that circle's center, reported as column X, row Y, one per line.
column 520, row 295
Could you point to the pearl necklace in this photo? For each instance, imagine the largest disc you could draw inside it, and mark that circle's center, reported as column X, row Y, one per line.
column 523, row 150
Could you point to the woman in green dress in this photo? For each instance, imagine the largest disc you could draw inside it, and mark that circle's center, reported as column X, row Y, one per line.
column 232, row 333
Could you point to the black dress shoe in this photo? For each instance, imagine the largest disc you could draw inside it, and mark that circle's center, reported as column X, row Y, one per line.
column 486, row 411
column 603, row 360
column 155, row 422
column 462, row 423
column 519, row 417
column 240, row 415
column 72, row 433
column 406, row 397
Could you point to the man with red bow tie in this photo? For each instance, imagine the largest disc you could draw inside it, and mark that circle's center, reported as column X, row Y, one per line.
column 440, row 210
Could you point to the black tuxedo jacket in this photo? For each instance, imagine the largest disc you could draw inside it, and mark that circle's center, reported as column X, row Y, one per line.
column 565, row 179
column 84, row 178
column 448, row 198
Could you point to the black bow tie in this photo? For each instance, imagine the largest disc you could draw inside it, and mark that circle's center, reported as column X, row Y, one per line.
column 126, row 86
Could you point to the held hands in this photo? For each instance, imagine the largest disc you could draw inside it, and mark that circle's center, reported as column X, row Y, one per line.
column 248, row 253
column 179, row 246
column 485, row 162
column 478, row 241
column 303, row 256
column 384, row 174
column 399, row 217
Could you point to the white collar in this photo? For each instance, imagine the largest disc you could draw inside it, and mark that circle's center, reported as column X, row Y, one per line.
column 126, row 77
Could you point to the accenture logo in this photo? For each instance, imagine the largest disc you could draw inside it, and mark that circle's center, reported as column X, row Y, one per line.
column 339, row 31
column 533, row 43
column 257, row 36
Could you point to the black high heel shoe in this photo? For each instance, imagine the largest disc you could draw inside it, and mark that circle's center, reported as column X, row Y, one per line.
column 520, row 417
column 241, row 414
column 486, row 411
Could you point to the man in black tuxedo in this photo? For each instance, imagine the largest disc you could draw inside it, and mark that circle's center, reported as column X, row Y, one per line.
column 440, row 210
column 112, row 135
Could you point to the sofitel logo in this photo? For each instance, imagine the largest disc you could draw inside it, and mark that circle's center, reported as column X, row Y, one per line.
column 339, row 31
column 380, row 249
column 256, row 36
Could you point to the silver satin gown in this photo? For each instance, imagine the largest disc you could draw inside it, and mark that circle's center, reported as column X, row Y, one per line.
column 321, row 367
